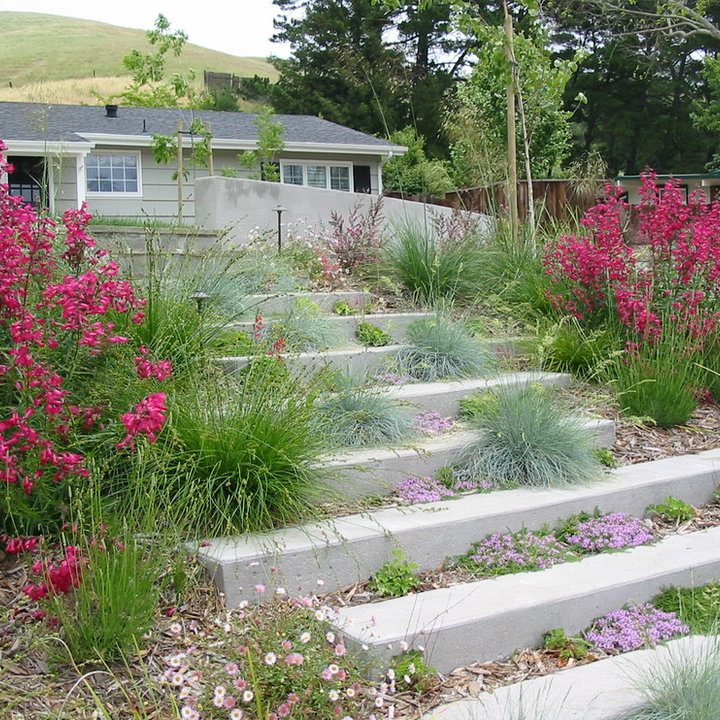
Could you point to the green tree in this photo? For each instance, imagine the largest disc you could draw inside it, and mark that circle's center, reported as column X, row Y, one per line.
column 270, row 142
column 477, row 122
column 640, row 87
column 149, row 87
column 413, row 173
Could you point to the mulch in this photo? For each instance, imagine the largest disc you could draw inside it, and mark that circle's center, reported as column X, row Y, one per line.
column 32, row 686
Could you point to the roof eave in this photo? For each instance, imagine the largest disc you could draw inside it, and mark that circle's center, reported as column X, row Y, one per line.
column 238, row 144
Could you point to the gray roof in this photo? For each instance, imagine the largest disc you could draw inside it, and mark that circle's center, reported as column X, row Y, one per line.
column 66, row 123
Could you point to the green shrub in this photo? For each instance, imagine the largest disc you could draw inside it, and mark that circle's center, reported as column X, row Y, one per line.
column 371, row 335
column 439, row 349
column 433, row 268
column 566, row 647
column 673, row 510
column 396, row 577
column 698, row 607
column 527, row 438
column 358, row 416
column 605, row 456
column 342, row 307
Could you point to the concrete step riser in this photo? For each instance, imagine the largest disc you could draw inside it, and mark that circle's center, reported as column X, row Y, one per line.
column 444, row 398
column 269, row 304
column 395, row 324
column 490, row 619
column 343, row 551
column 360, row 361
column 377, row 471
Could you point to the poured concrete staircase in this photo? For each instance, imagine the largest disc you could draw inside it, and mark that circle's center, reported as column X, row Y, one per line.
column 486, row 619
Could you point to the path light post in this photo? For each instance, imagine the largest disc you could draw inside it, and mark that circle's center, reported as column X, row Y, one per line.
column 279, row 210
column 200, row 298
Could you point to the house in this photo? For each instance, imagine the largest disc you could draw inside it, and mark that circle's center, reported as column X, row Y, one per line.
column 709, row 183
column 65, row 155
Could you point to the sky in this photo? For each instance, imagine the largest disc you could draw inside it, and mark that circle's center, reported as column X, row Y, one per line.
column 238, row 27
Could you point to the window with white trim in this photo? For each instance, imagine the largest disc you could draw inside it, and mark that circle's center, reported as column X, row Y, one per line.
column 113, row 173
column 318, row 175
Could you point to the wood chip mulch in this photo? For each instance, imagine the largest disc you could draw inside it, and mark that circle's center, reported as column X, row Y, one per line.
column 32, row 686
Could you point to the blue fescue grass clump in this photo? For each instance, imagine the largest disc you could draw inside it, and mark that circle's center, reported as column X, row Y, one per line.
column 439, row 349
column 358, row 416
column 305, row 327
column 527, row 438
column 685, row 686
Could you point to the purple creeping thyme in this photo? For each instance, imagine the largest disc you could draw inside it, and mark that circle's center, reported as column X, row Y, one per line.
column 501, row 554
column 610, row 532
column 425, row 489
column 640, row 626
column 430, row 423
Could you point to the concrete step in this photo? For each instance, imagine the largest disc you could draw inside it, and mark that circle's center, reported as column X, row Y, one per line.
column 395, row 324
column 358, row 474
column 268, row 304
column 345, row 550
column 604, row 690
column 359, row 361
column 489, row 619
column 444, row 397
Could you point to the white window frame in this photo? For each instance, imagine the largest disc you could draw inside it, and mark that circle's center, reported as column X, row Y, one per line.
column 320, row 163
column 111, row 193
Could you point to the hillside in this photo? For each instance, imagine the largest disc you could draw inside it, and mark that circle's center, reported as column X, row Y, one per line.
column 48, row 58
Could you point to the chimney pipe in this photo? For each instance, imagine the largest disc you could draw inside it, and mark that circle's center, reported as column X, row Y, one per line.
column 111, row 111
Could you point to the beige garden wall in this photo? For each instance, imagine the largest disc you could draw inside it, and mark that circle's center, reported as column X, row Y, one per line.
column 244, row 208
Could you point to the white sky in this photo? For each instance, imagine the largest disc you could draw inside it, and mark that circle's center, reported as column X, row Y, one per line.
column 238, row 27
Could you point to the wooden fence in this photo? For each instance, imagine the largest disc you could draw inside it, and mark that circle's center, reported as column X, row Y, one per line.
column 556, row 199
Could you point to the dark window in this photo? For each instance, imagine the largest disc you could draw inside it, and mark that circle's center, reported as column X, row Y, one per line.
column 28, row 180
column 361, row 178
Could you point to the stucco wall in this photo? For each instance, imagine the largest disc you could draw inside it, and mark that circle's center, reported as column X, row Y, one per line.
column 242, row 207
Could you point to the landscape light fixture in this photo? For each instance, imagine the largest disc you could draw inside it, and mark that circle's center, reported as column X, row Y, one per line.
column 200, row 298
column 279, row 210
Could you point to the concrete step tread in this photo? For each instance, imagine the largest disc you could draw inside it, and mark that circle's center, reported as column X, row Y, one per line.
column 602, row 690
column 341, row 551
column 489, row 619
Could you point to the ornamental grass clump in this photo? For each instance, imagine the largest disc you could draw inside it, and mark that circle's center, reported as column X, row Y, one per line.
column 250, row 451
column 360, row 416
column 440, row 348
column 609, row 532
column 432, row 266
column 528, row 439
column 684, row 686
column 699, row 607
column 305, row 327
column 633, row 628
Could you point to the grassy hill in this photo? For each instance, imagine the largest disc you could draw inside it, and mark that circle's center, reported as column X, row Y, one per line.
column 48, row 58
